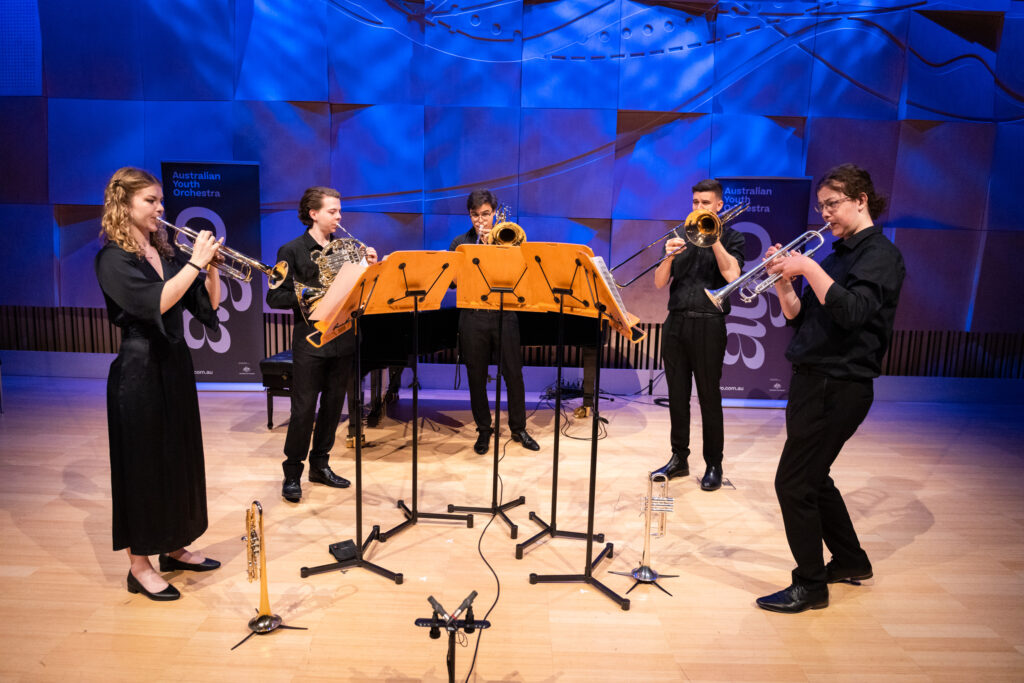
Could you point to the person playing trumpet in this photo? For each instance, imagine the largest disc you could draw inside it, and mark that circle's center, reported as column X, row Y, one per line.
column 157, row 470
column 324, row 372
column 843, row 323
column 693, row 346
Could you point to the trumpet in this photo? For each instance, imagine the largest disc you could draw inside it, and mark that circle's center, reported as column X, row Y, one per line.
column 656, row 509
column 235, row 264
column 756, row 281
column 701, row 229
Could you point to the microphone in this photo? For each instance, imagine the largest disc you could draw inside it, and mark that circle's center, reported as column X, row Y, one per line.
column 435, row 627
column 470, row 622
column 463, row 607
column 438, row 608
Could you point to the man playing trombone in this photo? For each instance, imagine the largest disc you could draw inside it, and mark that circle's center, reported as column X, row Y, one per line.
column 843, row 324
column 693, row 345
column 324, row 372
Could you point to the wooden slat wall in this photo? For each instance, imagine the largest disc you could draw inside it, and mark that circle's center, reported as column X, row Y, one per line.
column 919, row 353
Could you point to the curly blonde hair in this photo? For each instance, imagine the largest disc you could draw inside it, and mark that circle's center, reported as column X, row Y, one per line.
column 117, row 203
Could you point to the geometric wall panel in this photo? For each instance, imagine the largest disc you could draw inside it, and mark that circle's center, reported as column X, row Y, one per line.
column 29, row 266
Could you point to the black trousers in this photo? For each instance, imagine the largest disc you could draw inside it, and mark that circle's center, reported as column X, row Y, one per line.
column 478, row 343
column 313, row 377
column 822, row 414
column 693, row 349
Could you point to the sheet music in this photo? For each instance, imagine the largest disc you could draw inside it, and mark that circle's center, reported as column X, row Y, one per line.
column 606, row 275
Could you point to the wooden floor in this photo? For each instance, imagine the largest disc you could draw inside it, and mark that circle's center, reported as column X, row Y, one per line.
column 935, row 491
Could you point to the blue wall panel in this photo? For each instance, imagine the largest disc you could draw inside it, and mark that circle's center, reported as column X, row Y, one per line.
column 88, row 141
column 30, row 265
column 591, row 120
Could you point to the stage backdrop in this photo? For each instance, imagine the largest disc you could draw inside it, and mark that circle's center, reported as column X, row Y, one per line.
column 755, row 364
column 225, row 199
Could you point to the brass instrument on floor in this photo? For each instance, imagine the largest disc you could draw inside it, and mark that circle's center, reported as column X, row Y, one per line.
column 757, row 281
column 256, row 554
column 329, row 261
column 701, row 229
column 656, row 509
column 505, row 232
column 235, row 264
column 265, row 621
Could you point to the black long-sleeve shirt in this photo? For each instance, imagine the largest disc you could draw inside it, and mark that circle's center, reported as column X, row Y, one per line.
column 696, row 268
column 302, row 269
column 847, row 337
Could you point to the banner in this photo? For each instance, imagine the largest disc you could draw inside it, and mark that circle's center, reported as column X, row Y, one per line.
column 225, row 199
column 755, row 363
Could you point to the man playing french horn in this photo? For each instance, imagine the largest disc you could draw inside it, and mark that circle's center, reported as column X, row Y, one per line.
column 693, row 347
column 323, row 372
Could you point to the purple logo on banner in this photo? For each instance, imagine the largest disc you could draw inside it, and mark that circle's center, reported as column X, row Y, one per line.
column 755, row 362
column 222, row 198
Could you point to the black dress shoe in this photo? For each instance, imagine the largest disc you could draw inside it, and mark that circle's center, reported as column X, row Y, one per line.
column 676, row 467
column 169, row 564
column 525, row 439
column 712, row 480
column 794, row 599
column 483, row 441
column 836, row 574
column 169, row 593
column 291, row 490
column 324, row 475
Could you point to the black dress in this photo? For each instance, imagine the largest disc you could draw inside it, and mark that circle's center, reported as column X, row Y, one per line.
column 157, row 475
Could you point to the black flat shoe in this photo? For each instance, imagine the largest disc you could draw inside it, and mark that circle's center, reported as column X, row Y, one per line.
column 483, row 441
column 794, row 599
column 525, row 439
column 291, row 490
column 169, row 593
column 675, row 467
column 854, row 575
column 712, row 480
column 324, row 475
column 169, row 564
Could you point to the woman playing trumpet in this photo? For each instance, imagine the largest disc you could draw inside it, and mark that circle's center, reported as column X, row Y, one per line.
column 843, row 323
column 158, row 481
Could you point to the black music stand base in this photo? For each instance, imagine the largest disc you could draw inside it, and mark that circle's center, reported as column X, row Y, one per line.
column 496, row 510
column 548, row 530
column 413, row 516
column 349, row 555
column 609, row 552
column 644, row 574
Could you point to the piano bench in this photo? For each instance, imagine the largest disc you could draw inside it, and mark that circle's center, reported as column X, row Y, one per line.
column 277, row 378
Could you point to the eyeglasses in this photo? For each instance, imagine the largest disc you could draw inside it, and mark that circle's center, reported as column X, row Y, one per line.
column 483, row 215
column 830, row 205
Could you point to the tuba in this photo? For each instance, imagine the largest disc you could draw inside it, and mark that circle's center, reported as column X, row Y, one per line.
column 329, row 261
column 235, row 264
column 505, row 232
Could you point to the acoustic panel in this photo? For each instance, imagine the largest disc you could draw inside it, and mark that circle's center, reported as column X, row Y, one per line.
column 23, row 150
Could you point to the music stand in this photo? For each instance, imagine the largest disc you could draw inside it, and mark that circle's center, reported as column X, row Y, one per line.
column 417, row 281
column 560, row 283
column 609, row 307
column 332, row 319
column 490, row 270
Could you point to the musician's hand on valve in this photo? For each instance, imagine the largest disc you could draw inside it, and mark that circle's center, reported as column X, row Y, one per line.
column 205, row 248
column 371, row 255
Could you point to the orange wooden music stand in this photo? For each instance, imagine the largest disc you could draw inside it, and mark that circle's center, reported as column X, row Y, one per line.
column 559, row 282
column 600, row 291
column 493, row 277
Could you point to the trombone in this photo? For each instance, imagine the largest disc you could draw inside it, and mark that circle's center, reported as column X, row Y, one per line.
column 236, row 264
column 753, row 283
column 701, row 229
